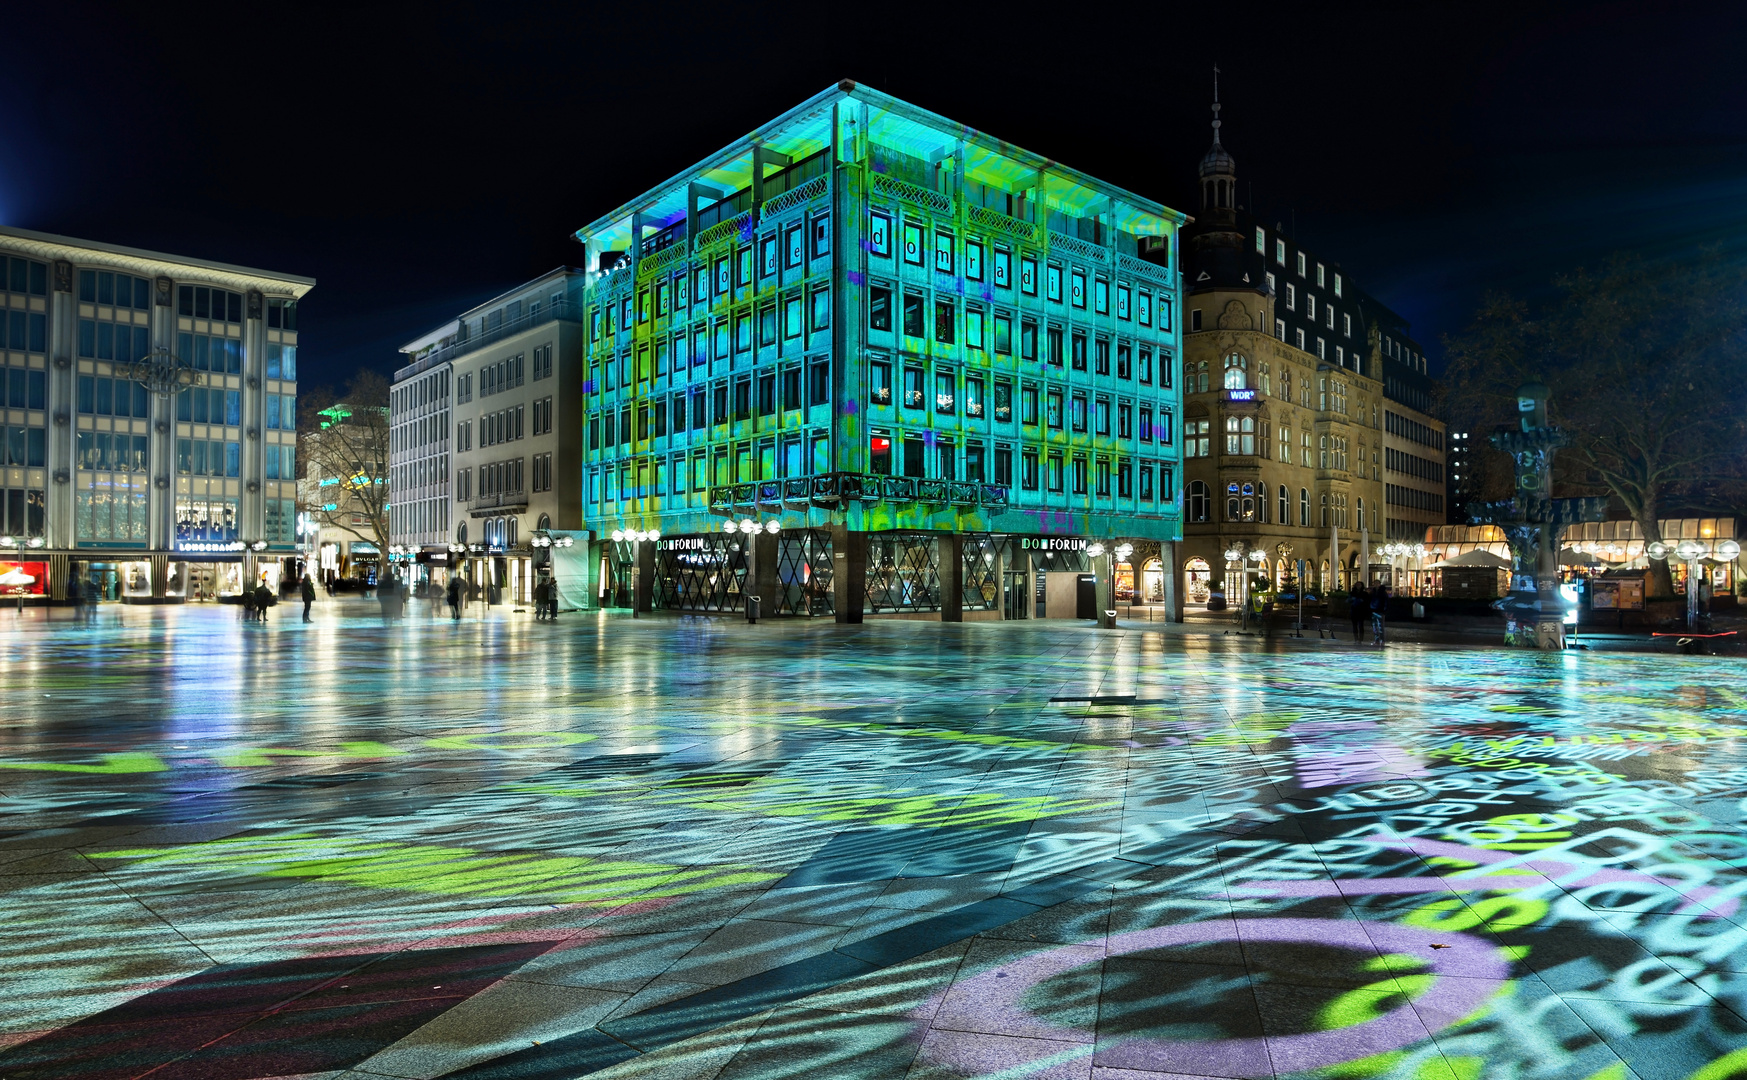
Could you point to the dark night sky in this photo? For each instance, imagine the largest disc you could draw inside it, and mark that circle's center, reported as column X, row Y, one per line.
column 416, row 164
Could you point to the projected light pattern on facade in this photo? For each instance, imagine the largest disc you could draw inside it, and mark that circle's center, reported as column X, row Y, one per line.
column 980, row 851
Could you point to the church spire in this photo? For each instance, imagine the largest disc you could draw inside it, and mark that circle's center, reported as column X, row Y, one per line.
column 1218, row 170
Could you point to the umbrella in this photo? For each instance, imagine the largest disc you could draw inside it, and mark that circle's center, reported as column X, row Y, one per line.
column 1477, row 557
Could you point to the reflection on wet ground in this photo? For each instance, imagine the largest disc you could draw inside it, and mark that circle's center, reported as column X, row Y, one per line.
column 687, row 848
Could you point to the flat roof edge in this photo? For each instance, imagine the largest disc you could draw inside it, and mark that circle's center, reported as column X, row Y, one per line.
column 58, row 240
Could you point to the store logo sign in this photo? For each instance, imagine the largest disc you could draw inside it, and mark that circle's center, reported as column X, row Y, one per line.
column 1051, row 543
column 209, row 546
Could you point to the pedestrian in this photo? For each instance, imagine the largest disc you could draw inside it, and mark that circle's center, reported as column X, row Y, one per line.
column 552, row 598
column 246, row 609
column 263, row 600
column 541, row 589
column 1379, row 609
column 1359, row 607
column 455, row 596
column 75, row 594
column 307, row 591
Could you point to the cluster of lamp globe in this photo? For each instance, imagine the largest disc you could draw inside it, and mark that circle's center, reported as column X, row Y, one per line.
column 18, row 542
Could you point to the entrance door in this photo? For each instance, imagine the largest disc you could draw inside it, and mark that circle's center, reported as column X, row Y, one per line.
column 1013, row 594
column 202, row 582
column 1086, row 597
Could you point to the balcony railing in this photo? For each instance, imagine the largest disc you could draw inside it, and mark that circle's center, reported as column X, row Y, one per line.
column 559, row 311
column 498, row 499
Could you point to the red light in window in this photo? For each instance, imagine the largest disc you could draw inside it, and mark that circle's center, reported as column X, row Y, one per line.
column 881, row 444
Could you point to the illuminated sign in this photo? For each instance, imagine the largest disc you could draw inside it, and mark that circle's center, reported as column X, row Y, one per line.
column 683, row 543
column 1240, row 395
column 23, row 578
column 209, row 545
column 1051, row 543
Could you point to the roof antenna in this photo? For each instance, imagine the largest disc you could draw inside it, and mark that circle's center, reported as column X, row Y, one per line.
column 1215, row 102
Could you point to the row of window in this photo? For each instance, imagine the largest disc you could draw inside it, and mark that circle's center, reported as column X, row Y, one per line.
column 117, row 290
column 1413, row 465
column 425, row 431
column 737, row 269
column 505, row 374
column 279, row 461
column 1302, row 262
column 1060, row 347
column 101, row 396
column 495, row 478
column 201, row 302
column 726, row 401
column 1249, row 502
column 103, row 450
column 692, row 349
column 109, row 341
column 1061, row 284
column 543, row 416
column 429, row 390
column 1411, row 429
column 1413, row 498
column 542, row 470
column 200, row 457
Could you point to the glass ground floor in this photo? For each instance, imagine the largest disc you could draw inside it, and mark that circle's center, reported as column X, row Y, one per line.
column 815, row 572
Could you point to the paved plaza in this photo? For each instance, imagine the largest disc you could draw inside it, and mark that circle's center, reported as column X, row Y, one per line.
column 690, row 848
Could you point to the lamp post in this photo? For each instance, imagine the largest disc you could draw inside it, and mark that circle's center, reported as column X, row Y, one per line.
column 751, row 528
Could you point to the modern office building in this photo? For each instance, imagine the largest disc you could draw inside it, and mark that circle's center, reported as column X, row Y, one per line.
column 919, row 371
column 1306, row 434
column 487, row 437
column 181, row 495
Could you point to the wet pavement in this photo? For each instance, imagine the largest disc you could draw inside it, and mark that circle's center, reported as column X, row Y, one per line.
column 692, row 848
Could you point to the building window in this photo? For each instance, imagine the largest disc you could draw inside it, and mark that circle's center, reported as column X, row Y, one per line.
column 1291, row 297
column 1055, row 473
column 1261, row 241
column 1303, row 507
column 1200, row 500
column 913, row 318
column 1237, row 372
column 1028, row 479
column 943, row 261
column 1280, row 252
column 1079, row 470
column 944, row 322
column 1301, row 264
column 1240, row 435
column 879, row 308
column 912, row 244
column 1194, row 320
column 1197, row 438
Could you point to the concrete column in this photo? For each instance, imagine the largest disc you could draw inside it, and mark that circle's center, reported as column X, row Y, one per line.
column 1170, row 555
column 1104, row 591
column 58, row 567
column 848, row 573
column 951, row 578
column 763, row 582
column 1001, row 578
column 643, row 577
column 1030, row 602
column 160, row 575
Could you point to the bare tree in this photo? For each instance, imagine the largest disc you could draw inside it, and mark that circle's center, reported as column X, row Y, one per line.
column 344, row 444
column 1640, row 356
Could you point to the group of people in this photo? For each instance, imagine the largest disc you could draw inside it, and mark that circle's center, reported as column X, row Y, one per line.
column 256, row 599
column 1363, row 602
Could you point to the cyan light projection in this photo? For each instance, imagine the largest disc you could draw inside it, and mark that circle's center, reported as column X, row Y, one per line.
column 695, row 848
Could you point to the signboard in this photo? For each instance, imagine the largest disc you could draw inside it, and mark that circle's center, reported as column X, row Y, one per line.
column 1051, row 543
column 682, row 543
column 209, row 546
column 1240, row 395
column 1617, row 594
column 24, row 578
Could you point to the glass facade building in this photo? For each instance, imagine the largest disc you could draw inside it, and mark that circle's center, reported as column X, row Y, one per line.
column 184, row 496
column 916, row 369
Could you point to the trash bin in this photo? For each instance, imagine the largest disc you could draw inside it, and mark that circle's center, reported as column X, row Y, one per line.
column 753, row 603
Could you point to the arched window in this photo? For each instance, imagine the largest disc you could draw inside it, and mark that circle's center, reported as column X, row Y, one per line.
column 1285, row 505
column 1199, row 500
column 1263, row 379
column 1361, row 521
column 461, row 533
column 1325, row 511
column 1304, row 507
column 1197, row 381
column 510, row 541
column 545, row 522
column 1237, row 372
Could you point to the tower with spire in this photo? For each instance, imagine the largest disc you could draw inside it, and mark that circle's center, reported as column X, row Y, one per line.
column 1218, row 169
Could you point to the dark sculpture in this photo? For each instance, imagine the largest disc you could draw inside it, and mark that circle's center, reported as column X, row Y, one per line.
column 1533, row 522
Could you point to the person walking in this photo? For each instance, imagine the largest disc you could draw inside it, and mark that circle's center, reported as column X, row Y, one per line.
column 306, row 589
column 263, row 600
column 552, row 598
column 455, row 597
column 246, row 609
column 76, row 594
column 1359, row 608
column 1379, row 609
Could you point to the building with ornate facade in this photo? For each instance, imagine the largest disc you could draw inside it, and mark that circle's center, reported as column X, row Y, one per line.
column 1306, row 427
column 866, row 360
column 181, row 495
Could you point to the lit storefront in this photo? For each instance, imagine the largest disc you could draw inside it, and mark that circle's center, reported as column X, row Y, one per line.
column 1592, row 548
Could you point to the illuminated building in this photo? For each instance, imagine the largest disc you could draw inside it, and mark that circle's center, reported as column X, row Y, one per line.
column 184, row 496
column 486, row 435
column 1305, row 416
column 936, row 364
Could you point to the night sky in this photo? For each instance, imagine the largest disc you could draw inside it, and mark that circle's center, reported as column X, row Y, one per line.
column 415, row 165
